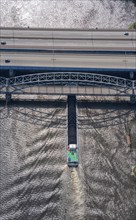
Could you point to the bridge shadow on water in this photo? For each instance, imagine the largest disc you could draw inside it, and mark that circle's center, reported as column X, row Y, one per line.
column 94, row 113
column 104, row 113
column 33, row 112
column 36, row 188
column 106, row 158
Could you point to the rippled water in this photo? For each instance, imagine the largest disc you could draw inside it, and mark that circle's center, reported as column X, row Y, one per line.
column 68, row 13
column 35, row 182
column 32, row 162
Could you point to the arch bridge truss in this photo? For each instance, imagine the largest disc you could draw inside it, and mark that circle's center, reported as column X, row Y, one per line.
column 68, row 83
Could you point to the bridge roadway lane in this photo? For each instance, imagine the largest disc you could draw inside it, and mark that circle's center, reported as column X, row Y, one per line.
column 66, row 39
column 67, row 34
column 68, row 60
column 68, row 44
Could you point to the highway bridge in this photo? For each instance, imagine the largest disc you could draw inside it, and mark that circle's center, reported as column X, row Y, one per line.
column 68, row 39
column 56, row 61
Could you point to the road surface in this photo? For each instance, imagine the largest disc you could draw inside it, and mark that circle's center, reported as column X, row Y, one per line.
column 66, row 39
column 68, row 60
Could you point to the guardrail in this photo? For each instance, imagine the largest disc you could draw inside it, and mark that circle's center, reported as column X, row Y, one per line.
column 62, row 51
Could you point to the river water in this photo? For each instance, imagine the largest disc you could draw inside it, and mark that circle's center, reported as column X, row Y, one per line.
column 68, row 13
column 35, row 182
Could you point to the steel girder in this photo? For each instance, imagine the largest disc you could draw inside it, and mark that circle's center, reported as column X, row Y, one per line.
column 18, row 84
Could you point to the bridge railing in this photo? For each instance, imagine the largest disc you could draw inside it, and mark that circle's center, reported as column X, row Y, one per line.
column 3, row 81
column 71, row 77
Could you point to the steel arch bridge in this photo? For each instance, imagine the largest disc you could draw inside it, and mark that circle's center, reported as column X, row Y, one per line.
column 65, row 83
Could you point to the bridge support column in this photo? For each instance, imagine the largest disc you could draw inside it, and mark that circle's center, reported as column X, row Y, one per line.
column 8, row 93
column 8, row 97
column 133, row 95
column 11, row 73
column 72, row 126
column 133, row 98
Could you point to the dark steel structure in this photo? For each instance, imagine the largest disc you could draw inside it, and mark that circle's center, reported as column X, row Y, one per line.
column 72, row 125
column 68, row 83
